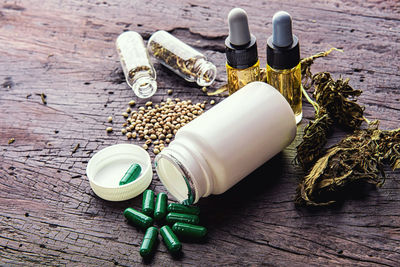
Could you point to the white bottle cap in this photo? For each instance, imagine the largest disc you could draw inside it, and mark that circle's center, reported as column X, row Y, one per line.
column 106, row 168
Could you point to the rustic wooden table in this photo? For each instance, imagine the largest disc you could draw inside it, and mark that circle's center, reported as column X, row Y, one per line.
column 65, row 49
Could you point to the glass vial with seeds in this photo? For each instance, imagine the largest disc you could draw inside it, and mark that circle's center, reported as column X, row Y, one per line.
column 226, row 143
column 283, row 62
column 138, row 70
column 242, row 64
column 181, row 58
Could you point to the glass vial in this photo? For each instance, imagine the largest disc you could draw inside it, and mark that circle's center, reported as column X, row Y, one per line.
column 283, row 62
column 205, row 158
column 136, row 65
column 182, row 59
column 242, row 64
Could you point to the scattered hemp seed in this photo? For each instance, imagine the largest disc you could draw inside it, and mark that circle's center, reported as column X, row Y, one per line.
column 156, row 124
column 123, row 131
column 204, row 89
column 109, row 119
column 132, row 103
column 145, row 147
column 128, row 110
column 109, row 129
column 12, row 140
column 169, row 92
column 212, row 102
column 125, row 115
column 76, row 148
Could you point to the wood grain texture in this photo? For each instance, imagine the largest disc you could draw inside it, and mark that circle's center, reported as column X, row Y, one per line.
column 65, row 49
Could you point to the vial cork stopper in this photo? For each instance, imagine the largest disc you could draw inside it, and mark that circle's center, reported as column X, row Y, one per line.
column 239, row 33
column 282, row 29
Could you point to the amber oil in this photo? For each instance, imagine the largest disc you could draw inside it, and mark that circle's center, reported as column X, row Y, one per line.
column 288, row 83
column 237, row 78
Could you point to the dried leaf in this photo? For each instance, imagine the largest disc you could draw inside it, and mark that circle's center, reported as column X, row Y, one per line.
column 314, row 139
column 334, row 97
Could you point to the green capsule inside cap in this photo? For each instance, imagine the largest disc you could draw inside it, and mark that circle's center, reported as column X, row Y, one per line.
column 131, row 174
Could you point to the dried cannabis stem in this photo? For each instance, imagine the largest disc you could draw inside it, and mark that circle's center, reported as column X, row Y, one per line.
column 357, row 158
column 306, row 63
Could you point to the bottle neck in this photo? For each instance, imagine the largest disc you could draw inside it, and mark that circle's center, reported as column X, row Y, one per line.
column 143, row 84
column 205, row 72
column 283, row 57
column 241, row 57
column 184, row 172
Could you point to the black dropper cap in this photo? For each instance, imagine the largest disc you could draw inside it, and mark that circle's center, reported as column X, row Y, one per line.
column 283, row 51
column 240, row 45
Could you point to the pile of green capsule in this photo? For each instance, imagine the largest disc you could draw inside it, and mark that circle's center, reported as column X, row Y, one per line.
column 184, row 220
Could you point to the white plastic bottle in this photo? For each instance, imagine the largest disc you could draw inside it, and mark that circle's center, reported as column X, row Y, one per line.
column 219, row 148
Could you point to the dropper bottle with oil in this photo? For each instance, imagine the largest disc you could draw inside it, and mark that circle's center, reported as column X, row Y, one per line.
column 242, row 64
column 283, row 62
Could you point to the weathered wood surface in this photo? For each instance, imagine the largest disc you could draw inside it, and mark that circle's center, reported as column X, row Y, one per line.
column 65, row 49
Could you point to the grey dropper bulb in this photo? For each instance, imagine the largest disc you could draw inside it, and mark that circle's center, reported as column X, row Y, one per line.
column 239, row 33
column 282, row 29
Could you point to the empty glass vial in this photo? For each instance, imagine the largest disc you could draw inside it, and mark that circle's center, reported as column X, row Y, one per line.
column 139, row 72
column 181, row 58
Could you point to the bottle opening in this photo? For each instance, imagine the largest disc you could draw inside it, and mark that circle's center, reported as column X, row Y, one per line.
column 206, row 72
column 145, row 87
column 175, row 179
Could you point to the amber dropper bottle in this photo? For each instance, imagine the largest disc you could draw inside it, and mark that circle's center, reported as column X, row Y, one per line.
column 283, row 62
column 242, row 64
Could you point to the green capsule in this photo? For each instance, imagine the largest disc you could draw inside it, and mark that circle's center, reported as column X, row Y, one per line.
column 148, row 202
column 137, row 218
column 148, row 242
column 174, row 217
column 189, row 230
column 161, row 206
column 171, row 241
column 131, row 174
column 179, row 208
